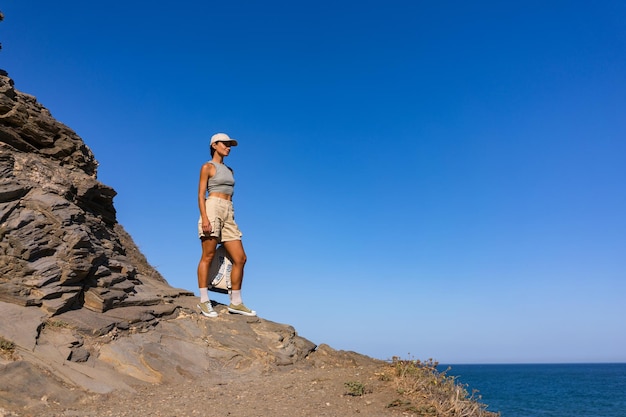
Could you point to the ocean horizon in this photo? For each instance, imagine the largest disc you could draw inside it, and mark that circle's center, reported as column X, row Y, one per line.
column 546, row 389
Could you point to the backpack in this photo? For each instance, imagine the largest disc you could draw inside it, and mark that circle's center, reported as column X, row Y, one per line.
column 219, row 272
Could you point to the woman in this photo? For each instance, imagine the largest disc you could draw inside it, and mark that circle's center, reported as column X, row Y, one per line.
column 217, row 225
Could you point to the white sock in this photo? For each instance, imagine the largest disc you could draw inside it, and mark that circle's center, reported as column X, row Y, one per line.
column 235, row 297
column 204, row 295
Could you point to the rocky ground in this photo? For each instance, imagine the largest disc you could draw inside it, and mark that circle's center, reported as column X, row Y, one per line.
column 299, row 391
column 318, row 386
column 184, row 365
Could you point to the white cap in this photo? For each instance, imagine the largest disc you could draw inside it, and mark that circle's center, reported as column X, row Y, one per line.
column 223, row 137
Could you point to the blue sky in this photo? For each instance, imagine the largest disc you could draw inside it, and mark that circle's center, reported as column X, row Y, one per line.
column 414, row 178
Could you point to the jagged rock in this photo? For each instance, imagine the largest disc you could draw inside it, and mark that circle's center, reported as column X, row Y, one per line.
column 27, row 126
column 61, row 247
column 82, row 309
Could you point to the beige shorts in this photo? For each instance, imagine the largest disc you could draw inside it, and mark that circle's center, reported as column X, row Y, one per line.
column 222, row 217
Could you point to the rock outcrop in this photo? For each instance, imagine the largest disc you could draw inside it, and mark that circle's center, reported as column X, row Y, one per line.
column 81, row 308
column 60, row 245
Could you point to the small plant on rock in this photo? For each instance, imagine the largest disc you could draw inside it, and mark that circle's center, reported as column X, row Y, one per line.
column 6, row 346
column 57, row 324
column 355, row 388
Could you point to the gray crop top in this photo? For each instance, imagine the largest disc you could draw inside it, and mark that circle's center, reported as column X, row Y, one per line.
column 223, row 181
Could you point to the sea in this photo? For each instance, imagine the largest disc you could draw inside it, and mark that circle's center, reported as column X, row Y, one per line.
column 547, row 390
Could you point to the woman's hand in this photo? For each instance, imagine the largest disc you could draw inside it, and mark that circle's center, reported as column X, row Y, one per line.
column 206, row 227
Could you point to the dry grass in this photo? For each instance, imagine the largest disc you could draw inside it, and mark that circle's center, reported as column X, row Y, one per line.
column 425, row 391
column 57, row 324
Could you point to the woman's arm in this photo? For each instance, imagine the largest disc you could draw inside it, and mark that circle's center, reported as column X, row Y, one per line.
column 206, row 172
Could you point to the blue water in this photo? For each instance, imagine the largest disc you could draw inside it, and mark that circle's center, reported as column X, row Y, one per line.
column 559, row 390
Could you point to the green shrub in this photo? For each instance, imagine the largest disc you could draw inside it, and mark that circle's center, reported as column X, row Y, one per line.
column 356, row 389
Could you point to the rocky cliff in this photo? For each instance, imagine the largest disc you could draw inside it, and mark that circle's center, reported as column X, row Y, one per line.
column 81, row 309
column 60, row 245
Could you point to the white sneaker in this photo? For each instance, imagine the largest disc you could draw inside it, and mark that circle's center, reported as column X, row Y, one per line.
column 241, row 309
column 207, row 309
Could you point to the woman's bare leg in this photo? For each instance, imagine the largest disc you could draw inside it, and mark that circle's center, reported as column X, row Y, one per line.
column 208, row 252
column 238, row 257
